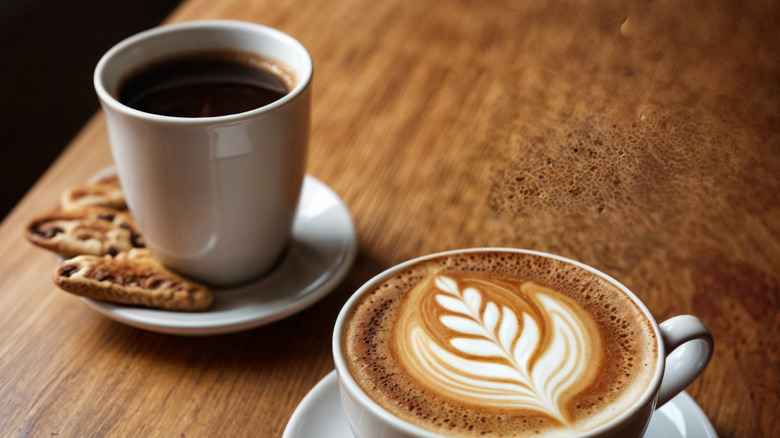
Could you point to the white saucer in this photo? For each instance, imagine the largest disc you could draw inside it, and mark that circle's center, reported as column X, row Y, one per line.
column 320, row 415
column 321, row 252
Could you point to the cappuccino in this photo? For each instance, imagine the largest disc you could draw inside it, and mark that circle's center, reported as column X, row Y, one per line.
column 496, row 343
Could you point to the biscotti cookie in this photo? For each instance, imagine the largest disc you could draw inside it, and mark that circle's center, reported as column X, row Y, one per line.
column 85, row 230
column 104, row 192
column 133, row 278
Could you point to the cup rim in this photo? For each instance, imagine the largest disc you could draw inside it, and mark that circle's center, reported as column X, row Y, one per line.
column 647, row 398
column 107, row 98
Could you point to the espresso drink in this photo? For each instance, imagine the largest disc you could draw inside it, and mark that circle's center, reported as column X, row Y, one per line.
column 206, row 84
column 500, row 344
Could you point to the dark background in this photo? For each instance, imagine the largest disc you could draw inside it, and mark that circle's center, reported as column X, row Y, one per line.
column 48, row 51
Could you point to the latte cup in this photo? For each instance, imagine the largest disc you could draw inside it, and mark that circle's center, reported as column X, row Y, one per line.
column 215, row 197
column 477, row 341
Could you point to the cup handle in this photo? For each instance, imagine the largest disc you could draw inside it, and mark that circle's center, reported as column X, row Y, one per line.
column 689, row 349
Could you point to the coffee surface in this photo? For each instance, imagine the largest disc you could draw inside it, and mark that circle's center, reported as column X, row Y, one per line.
column 206, row 84
column 503, row 344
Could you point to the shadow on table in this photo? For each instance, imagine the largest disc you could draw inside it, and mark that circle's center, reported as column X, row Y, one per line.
column 50, row 49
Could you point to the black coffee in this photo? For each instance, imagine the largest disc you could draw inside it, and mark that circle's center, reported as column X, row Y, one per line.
column 206, row 84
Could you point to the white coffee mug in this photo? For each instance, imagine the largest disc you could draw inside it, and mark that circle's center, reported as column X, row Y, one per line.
column 684, row 347
column 215, row 197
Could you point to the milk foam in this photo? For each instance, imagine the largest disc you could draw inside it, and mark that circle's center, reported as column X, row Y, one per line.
column 501, row 356
column 496, row 344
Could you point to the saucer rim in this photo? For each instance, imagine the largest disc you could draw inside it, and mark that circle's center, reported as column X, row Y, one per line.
column 327, row 386
column 346, row 255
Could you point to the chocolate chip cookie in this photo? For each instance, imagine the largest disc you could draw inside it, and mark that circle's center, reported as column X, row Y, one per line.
column 132, row 278
column 103, row 192
column 85, row 230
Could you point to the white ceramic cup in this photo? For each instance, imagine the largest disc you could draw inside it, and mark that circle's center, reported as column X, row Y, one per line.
column 215, row 197
column 684, row 348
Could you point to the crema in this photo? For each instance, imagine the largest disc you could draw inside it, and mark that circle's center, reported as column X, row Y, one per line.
column 502, row 344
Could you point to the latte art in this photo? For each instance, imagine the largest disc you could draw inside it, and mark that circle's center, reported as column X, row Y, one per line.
column 501, row 356
column 499, row 344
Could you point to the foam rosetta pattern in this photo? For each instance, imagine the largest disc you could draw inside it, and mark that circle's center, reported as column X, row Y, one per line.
column 500, row 350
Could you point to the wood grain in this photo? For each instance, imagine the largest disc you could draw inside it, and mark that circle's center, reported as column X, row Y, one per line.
column 640, row 138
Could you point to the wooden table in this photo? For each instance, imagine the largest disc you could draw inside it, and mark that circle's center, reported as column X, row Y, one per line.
column 640, row 138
